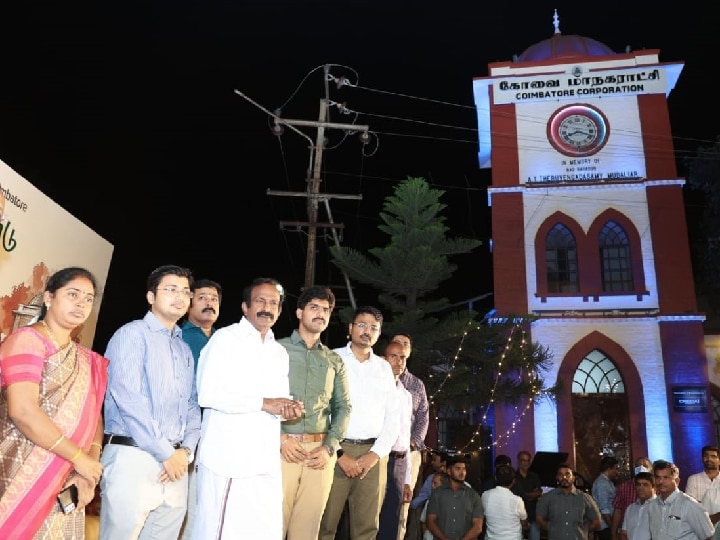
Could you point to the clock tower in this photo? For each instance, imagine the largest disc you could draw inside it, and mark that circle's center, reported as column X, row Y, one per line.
column 589, row 236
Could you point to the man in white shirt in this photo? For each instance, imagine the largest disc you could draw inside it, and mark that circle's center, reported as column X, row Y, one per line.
column 361, row 467
column 399, row 469
column 239, row 475
column 674, row 515
column 699, row 483
column 635, row 524
column 505, row 515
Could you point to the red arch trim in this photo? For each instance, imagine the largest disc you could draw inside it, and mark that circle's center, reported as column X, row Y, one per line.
column 633, row 391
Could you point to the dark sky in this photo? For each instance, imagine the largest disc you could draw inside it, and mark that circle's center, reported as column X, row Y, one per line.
column 125, row 114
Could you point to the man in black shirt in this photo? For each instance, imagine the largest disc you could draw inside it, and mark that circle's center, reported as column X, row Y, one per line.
column 527, row 485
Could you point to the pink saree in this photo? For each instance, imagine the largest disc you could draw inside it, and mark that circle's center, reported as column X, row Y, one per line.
column 72, row 388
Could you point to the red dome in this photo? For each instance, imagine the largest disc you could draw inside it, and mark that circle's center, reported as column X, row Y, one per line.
column 560, row 46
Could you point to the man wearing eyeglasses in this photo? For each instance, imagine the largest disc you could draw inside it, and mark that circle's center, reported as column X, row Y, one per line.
column 243, row 388
column 196, row 331
column 361, row 468
column 152, row 417
column 318, row 379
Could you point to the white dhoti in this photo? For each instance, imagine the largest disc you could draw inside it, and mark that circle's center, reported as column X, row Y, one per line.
column 231, row 508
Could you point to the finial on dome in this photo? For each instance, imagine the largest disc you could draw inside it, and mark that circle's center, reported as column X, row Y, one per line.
column 556, row 22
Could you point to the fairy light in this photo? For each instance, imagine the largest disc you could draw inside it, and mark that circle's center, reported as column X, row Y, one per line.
column 529, row 372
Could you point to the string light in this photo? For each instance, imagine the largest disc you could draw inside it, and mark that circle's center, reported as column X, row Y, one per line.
column 525, row 372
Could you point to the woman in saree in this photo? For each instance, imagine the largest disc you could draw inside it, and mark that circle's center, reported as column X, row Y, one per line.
column 51, row 428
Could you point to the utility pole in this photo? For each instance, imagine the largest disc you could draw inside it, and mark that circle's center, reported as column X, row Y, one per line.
column 313, row 190
column 313, row 195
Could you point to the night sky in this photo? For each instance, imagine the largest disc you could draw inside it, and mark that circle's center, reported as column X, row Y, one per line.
column 126, row 115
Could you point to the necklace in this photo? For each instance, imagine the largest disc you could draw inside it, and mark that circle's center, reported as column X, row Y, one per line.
column 50, row 334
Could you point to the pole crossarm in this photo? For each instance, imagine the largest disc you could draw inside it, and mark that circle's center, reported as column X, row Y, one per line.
column 307, row 224
column 313, row 195
column 314, row 123
column 316, row 196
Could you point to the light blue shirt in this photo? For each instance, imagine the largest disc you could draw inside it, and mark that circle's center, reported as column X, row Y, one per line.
column 424, row 494
column 679, row 517
column 603, row 491
column 151, row 394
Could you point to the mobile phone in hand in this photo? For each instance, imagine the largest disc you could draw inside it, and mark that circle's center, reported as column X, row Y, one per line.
column 68, row 499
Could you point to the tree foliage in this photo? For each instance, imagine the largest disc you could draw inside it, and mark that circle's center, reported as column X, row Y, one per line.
column 464, row 359
column 703, row 178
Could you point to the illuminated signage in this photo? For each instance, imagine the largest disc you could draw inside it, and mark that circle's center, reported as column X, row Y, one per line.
column 689, row 398
column 568, row 86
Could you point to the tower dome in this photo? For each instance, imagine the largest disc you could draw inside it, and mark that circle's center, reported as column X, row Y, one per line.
column 559, row 47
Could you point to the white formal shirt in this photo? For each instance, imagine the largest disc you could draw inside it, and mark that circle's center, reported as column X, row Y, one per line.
column 375, row 405
column 503, row 512
column 236, row 370
column 679, row 517
column 635, row 523
column 711, row 503
column 402, row 444
column 699, row 483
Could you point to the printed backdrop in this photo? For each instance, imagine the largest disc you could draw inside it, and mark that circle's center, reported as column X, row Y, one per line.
column 39, row 238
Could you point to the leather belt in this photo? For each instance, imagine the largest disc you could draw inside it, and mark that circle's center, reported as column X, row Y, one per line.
column 127, row 441
column 307, row 437
column 398, row 455
column 359, row 441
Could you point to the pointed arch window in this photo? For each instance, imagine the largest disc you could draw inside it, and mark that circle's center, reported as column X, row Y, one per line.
column 615, row 258
column 597, row 374
column 561, row 260
column 601, row 422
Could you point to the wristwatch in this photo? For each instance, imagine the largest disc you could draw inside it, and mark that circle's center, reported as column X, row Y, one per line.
column 339, row 452
column 190, row 453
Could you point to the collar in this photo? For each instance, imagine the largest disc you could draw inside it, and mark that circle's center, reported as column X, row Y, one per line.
column 155, row 325
column 349, row 352
column 674, row 495
column 246, row 327
column 296, row 339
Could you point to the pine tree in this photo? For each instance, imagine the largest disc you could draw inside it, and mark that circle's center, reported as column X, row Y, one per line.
column 703, row 178
column 465, row 360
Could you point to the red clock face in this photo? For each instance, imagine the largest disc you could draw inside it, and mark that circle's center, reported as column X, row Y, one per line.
column 578, row 130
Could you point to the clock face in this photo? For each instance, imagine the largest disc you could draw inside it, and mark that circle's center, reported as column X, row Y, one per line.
column 578, row 130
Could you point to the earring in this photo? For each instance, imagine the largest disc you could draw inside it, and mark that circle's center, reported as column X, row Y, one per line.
column 47, row 305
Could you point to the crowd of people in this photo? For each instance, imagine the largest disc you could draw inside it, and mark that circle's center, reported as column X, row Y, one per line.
column 293, row 440
column 197, row 432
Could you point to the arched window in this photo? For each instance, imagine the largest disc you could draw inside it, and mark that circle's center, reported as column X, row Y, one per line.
column 615, row 258
column 600, row 414
column 597, row 374
column 561, row 260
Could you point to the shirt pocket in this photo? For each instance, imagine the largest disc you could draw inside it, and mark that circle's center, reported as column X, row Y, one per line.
column 320, row 382
column 674, row 527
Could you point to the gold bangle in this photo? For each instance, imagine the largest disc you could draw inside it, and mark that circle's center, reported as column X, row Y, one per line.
column 96, row 444
column 72, row 459
column 56, row 443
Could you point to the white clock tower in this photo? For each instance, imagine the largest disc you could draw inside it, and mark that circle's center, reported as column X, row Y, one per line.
column 589, row 235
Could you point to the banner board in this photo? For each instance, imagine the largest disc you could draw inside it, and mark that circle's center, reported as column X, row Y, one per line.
column 37, row 238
